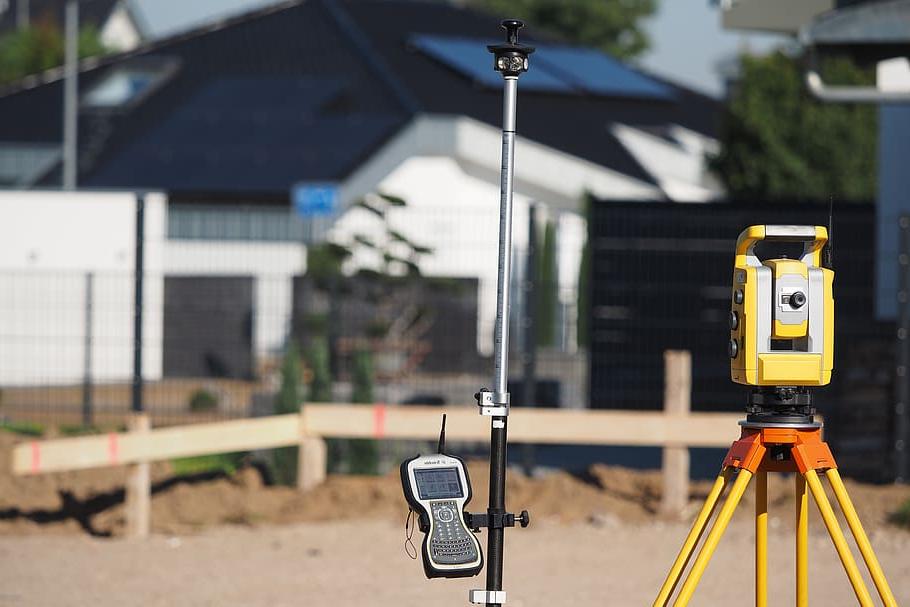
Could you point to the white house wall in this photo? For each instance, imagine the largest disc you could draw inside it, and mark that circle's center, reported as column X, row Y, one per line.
column 49, row 242
column 453, row 212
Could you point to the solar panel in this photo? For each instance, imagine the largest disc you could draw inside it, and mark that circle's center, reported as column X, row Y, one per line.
column 598, row 73
column 471, row 58
column 555, row 69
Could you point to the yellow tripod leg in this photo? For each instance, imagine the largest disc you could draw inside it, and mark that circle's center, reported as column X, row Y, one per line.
column 698, row 527
column 802, row 543
column 837, row 536
column 761, row 539
column 717, row 530
column 862, row 541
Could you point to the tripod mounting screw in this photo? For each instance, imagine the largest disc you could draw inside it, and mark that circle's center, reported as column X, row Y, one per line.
column 511, row 58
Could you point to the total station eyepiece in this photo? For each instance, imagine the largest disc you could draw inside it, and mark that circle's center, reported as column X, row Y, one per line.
column 511, row 58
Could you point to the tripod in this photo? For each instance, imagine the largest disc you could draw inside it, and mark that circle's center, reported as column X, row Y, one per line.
column 776, row 441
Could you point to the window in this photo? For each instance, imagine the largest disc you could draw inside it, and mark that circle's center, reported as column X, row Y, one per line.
column 126, row 85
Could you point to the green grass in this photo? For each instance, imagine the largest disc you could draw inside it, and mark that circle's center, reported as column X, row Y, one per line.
column 23, row 428
column 77, row 430
column 228, row 463
column 901, row 517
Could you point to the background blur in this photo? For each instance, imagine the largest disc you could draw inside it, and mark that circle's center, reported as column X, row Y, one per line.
column 305, row 195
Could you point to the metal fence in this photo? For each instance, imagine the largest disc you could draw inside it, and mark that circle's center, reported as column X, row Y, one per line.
column 224, row 290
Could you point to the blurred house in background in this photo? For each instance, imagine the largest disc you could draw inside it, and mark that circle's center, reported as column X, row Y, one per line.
column 397, row 97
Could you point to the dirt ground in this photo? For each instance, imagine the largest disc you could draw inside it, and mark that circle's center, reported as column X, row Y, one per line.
column 358, row 563
column 233, row 541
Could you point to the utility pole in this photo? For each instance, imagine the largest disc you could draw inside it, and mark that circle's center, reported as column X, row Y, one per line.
column 70, row 91
column 22, row 14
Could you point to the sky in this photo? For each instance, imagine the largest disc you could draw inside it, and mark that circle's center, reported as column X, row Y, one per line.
column 687, row 38
column 688, row 41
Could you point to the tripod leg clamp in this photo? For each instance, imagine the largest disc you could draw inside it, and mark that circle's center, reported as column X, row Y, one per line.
column 483, row 597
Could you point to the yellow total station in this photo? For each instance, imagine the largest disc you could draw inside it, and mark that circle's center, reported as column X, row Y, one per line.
column 782, row 317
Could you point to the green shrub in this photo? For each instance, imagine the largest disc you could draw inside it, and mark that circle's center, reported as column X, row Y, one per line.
column 78, row 430
column 228, row 463
column 203, row 401
column 23, row 428
column 902, row 516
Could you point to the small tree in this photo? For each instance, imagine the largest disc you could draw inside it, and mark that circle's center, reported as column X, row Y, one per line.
column 612, row 25
column 777, row 141
column 41, row 47
column 321, row 377
column 364, row 453
column 547, row 289
column 288, row 400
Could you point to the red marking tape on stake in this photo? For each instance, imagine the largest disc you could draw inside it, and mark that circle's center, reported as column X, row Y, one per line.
column 113, row 448
column 36, row 457
column 379, row 420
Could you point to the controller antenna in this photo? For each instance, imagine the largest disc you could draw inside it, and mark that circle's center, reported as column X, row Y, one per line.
column 440, row 448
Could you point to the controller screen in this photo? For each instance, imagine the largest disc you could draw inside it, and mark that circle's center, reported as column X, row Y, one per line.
column 438, row 483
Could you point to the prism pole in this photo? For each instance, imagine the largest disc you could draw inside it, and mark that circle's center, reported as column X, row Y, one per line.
column 511, row 60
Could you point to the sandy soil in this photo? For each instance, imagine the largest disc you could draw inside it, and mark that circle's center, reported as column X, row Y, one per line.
column 357, row 563
column 232, row 541
column 91, row 501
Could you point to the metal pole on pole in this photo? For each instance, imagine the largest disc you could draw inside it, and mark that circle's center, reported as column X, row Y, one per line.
column 138, row 281
column 902, row 406
column 70, row 88
column 511, row 60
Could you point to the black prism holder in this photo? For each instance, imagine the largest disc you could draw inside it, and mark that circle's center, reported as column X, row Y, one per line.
column 511, row 58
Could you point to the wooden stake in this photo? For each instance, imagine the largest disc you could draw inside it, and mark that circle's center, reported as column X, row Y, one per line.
column 677, row 403
column 138, row 486
column 312, row 458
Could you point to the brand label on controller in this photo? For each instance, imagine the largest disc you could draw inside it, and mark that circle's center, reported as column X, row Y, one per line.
column 437, row 488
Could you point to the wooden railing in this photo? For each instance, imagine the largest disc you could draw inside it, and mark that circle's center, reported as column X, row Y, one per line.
column 675, row 429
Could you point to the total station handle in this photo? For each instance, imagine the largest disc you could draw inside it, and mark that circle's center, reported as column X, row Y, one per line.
column 813, row 237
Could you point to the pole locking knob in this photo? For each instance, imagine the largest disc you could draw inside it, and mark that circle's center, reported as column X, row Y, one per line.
column 524, row 519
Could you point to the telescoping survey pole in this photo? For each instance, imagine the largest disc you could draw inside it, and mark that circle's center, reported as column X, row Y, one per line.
column 511, row 60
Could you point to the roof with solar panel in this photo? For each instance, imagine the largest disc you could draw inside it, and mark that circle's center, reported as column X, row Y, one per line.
column 309, row 90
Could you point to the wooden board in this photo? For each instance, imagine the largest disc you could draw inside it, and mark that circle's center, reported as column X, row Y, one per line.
column 553, row 426
column 179, row 441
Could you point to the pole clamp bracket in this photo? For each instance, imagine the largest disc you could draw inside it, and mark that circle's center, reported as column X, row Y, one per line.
column 491, row 403
column 496, row 520
column 487, row 597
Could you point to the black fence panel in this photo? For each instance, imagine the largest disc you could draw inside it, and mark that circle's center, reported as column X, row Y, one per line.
column 660, row 279
column 208, row 326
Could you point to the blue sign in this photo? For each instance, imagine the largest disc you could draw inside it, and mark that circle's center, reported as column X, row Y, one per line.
column 315, row 199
